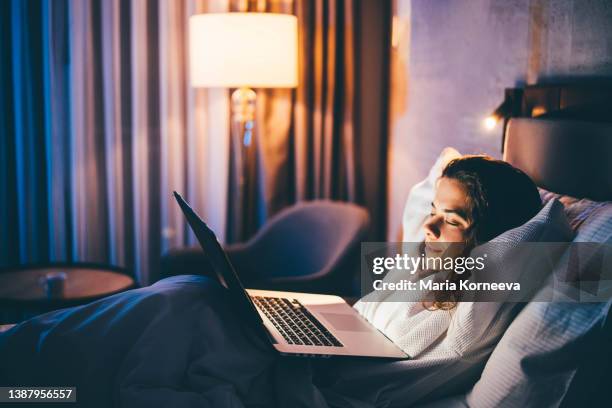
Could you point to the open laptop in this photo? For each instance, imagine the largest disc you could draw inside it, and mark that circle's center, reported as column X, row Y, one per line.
column 296, row 324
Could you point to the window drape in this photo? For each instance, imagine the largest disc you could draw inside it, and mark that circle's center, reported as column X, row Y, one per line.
column 98, row 125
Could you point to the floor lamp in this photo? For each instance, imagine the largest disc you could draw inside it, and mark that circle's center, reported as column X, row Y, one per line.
column 243, row 51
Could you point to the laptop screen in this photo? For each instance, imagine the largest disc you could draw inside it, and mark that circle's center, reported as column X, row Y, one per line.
column 223, row 268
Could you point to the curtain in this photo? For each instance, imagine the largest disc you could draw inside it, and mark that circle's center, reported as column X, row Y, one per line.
column 98, row 125
column 327, row 139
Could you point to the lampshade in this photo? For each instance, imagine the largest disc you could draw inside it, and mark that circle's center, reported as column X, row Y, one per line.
column 232, row 50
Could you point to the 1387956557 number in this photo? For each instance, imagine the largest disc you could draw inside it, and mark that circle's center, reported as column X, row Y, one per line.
column 37, row 394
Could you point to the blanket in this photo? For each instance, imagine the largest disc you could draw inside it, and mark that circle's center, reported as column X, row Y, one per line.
column 178, row 343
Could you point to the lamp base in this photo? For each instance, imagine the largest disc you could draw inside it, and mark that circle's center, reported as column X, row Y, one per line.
column 243, row 113
column 244, row 164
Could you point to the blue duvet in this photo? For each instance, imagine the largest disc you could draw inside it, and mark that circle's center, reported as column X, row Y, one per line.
column 173, row 344
column 178, row 344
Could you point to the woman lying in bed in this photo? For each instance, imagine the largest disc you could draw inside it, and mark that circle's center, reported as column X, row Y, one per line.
column 177, row 343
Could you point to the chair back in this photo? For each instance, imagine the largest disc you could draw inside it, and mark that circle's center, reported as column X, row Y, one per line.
column 310, row 238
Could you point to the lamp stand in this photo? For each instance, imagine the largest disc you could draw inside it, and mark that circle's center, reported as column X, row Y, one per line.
column 244, row 163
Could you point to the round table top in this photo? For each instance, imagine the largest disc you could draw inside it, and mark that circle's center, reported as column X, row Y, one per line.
column 81, row 283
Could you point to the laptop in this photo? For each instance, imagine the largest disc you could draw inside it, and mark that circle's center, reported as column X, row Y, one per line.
column 295, row 324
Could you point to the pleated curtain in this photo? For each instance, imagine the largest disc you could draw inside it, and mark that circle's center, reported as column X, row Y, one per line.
column 98, row 126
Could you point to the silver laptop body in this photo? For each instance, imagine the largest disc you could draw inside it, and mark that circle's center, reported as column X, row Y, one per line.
column 296, row 324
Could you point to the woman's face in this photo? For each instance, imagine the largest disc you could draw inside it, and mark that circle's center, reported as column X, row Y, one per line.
column 448, row 220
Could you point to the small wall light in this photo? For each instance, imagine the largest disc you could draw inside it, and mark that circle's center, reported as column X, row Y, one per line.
column 503, row 111
column 489, row 122
column 511, row 107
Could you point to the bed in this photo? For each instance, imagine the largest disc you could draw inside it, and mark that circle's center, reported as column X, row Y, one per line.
column 569, row 160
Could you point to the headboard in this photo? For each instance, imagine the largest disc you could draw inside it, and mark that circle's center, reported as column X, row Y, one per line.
column 564, row 156
column 561, row 135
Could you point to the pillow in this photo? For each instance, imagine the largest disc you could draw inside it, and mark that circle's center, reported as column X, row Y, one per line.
column 418, row 203
column 597, row 225
column 579, row 211
column 592, row 222
column 538, row 356
column 478, row 325
column 535, row 361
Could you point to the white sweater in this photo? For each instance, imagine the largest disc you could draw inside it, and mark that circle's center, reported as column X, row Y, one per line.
column 407, row 323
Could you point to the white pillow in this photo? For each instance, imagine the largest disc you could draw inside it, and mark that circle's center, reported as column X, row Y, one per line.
column 418, row 203
column 537, row 358
column 596, row 216
column 479, row 325
column 535, row 361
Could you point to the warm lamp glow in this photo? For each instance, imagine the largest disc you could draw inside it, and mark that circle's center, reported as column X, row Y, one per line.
column 489, row 122
column 233, row 50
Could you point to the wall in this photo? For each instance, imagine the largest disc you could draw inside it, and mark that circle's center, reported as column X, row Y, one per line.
column 452, row 60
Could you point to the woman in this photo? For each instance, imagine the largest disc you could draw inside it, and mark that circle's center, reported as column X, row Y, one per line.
column 176, row 343
column 477, row 198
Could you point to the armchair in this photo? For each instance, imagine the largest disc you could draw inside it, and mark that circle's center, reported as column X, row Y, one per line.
column 310, row 247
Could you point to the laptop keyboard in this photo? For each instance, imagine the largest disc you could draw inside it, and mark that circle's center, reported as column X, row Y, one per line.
column 294, row 322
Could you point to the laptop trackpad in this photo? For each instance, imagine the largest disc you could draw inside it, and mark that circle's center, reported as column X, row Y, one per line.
column 345, row 322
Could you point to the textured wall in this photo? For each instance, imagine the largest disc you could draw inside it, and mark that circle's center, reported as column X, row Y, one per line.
column 452, row 60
